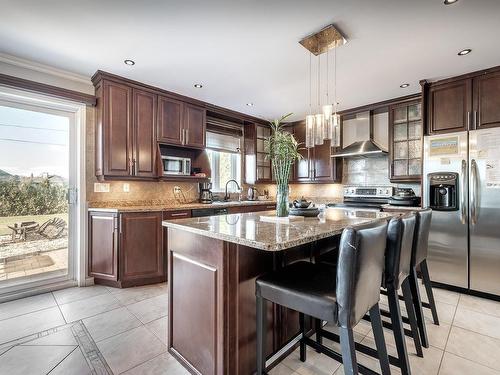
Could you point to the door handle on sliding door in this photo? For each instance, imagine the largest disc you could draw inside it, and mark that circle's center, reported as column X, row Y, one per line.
column 474, row 191
column 463, row 205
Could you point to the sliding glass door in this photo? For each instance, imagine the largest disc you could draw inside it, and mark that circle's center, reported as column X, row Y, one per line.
column 37, row 179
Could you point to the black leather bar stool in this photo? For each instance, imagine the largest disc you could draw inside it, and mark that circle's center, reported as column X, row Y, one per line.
column 419, row 260
column 397, row 270
column 341, row 295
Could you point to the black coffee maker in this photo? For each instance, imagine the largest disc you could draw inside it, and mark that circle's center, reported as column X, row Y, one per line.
column 443, row 191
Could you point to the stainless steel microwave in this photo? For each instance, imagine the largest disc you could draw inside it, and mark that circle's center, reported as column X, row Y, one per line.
column 173, row 165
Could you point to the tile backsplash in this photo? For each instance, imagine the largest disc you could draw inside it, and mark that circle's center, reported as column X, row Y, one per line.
column 371, row 171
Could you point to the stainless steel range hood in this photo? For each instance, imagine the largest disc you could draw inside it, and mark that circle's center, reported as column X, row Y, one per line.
column 359, row 132
column 360, row 149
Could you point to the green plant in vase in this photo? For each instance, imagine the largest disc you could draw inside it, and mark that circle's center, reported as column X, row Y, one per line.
column 283, row 150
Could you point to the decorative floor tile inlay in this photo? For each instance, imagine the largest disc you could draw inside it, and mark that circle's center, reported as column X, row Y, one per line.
column 74, row 336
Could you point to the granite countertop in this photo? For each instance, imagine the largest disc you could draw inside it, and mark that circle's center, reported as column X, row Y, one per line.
column 247, row 229
column 177, row 206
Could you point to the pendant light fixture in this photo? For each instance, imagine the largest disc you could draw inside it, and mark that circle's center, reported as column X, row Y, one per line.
column 310, row 118
column 319, row 118
column 325, row 124
column 335, row 118
column 327, row 108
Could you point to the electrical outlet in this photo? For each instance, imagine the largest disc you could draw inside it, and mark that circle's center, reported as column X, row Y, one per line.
column 177, row 189
column 101, row 187
column 126, row 187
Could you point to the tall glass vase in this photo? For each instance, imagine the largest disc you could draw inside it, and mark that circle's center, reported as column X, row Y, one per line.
column 282, row 199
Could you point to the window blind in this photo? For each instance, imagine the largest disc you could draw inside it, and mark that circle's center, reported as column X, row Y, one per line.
column 223, row 142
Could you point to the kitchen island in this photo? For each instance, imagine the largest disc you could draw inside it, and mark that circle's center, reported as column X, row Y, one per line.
column 212, row 266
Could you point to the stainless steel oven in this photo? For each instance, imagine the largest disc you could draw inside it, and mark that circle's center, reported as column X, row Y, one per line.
column 173, row 165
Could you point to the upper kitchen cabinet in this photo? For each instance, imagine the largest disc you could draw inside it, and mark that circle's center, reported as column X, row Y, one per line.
column 486, row 100
column 316, row 164
column 449, row 106
column 194, row 126
column 170, row 121
column 144, row 133
column 180, row 123
column 405, row 141
column 468, row 102
column 125, row 131
column 257, row 166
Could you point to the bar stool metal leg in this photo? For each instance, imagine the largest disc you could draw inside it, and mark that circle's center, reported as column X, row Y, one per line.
column 302, row 341
column 261, row 333
column 428, row 288
column 397, row 327
column 410, row 310
column 417, row 304
column 348, row 351
column 378, row 334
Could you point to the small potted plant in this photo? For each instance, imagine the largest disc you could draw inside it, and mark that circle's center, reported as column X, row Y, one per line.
column 283, row 150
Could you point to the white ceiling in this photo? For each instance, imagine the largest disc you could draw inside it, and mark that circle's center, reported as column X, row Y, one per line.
column 247, row 50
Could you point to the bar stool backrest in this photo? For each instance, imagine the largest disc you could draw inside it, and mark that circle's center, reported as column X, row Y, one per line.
column 399, row 249
column 421, row 238
column 359, row 271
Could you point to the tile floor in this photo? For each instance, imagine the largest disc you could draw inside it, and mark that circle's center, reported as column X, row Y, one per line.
column 128, row 328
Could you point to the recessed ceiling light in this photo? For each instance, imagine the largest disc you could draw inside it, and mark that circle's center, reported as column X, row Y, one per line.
column 449, row 2
column 129, row 62
column 250, row 104
column 464, row 52
column 198, row 85
column 404, row 85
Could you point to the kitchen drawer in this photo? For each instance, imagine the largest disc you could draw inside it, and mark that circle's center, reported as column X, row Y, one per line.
column 178, row 214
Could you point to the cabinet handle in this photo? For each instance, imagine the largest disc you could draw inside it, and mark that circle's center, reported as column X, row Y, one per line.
column 179, row 214
column 476, row 120
column 187, row 136
column 468, row 120
column 182, row 136
column 130, row 166
column 134, row 167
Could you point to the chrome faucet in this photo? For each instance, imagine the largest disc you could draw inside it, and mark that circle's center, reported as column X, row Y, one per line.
column 226, row 195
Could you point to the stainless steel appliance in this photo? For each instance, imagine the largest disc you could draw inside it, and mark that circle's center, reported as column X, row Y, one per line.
column 202, row 212
column 252, row 194
column 365, row 197
column 461, row 184
column 205, row 192
column 173, row 165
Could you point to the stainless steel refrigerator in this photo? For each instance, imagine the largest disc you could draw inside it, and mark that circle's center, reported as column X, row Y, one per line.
column 461, row 182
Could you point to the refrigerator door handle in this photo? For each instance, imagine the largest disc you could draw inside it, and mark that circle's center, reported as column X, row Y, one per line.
column 474, row 189
column 463, row 205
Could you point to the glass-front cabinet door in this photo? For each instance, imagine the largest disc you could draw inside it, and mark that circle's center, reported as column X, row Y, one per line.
column 405, row 141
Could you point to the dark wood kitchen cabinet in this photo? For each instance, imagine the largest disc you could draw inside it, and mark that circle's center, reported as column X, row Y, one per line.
column 180, row 123
column 467, row 102
column 140, row 257
column 144, row 133
column 126, row 248
column 257, row 166
column 125, row 131
column 486, row 100
column 405, row 141
column 317, row 164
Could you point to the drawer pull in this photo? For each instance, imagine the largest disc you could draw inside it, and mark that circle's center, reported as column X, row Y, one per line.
column 179, row 214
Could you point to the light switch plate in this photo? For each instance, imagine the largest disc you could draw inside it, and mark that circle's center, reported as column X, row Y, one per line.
column 126, row 187
column 101, row 187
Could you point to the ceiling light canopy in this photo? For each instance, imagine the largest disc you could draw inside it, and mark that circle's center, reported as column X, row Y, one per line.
column 464, row 52
column 198, row 85
column 404, row 85
column 129, row 62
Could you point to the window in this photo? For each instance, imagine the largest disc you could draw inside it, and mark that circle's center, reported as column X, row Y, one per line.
column 225, row 160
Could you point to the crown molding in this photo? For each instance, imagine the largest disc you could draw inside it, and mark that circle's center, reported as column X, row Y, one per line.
column 42, row 68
